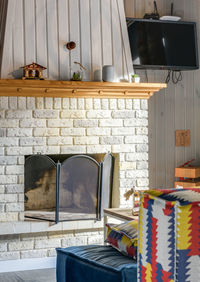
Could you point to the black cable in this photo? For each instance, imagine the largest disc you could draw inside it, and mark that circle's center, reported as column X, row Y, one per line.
column 175, row 76
column 155, row 7
column 147, row 80
column 167, row 80
column 172, row 9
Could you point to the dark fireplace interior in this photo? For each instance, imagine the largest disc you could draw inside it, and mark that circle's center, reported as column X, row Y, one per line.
column 68, row 187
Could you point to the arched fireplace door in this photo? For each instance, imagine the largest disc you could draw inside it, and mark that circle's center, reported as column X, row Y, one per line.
column 76, row 188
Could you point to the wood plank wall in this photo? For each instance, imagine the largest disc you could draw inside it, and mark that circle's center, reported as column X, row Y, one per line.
column 37, row 30
column 3, row 13
column 177, row 107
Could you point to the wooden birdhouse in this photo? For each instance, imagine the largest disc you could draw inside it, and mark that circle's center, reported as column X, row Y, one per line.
column 33, row 71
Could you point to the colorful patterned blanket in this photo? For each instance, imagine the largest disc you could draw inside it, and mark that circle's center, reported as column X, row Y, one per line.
column 169, row 236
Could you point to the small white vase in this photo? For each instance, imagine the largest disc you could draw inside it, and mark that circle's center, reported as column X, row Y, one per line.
column 136, row 79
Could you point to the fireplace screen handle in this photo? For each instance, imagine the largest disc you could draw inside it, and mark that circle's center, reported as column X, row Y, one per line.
column 58, row 167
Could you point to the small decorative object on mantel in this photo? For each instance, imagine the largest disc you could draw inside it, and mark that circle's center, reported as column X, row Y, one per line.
column 78, row 74
column 108, row 73
column 136, row 78
column 71, row 45
column 33, row 71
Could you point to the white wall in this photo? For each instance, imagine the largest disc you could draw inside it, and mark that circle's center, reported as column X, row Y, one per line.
column 177, row 107
column 37, row 30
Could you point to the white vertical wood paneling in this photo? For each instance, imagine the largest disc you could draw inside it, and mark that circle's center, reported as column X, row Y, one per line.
column 96, row 36
column 179, row 120
column 189, row 14
column 139, row 8
column 127, row 63
column 196, row 13
column 117, row 41
column 52, row 39
column 3, row 13
column 129, row 12
column 129, row 8
column 147, row 6
column 160, row 134
column 7, row 57
column 29, row 31
column 18, row 41
column 38, row 30
column 41, row 32
column 170, row 134
column 152, row 133
column 74, row 32
column 63, row 37
column 178, row 108
column 85, row 38
column 106, row 28
column 189, row 113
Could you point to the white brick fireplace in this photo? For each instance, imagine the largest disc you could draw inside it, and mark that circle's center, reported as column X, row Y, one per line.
column 65, row 126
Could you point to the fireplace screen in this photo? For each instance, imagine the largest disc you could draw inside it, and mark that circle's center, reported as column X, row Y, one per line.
column 77, row 187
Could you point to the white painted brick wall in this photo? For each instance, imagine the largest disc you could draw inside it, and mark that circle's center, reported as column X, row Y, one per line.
column 34, row 254
column 16, row 207
column 50, row 243
column 9, row 216
column 2, row 130
column 14, row 169
column 31, row 123
column 98, row 114
column 88, row 140
column 18, row 246
column 98, row 148
column 59, row 123
column 18, row 114
column 59, row 141
column 98, row 131
column 46, row 114
column 79, row 149
column 48, row 132
column 66, row 126
column 8, row 198
column 9, row 255
column 73, row 131
column 73, row 114
column 43, row 244
column 2, row 189
column 3, row 247
column 16, row 188
column 2, row 208
column 19, row 132
column 8, row 141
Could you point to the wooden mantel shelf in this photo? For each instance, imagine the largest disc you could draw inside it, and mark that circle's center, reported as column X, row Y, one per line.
column 86, row 89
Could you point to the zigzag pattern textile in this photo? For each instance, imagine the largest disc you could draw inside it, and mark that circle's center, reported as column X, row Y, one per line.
column 169, row 236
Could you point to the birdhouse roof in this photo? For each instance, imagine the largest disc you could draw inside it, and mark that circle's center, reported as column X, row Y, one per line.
column 34, row 65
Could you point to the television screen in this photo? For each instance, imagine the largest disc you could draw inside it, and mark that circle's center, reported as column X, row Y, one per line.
column 163, row 44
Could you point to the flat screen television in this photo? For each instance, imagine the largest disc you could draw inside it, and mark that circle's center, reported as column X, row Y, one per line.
column 157, row 44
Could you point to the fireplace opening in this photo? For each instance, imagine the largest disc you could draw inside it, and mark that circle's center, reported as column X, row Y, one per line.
column 68, row 187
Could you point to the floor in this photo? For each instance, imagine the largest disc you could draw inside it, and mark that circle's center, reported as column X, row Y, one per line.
column 41, row 275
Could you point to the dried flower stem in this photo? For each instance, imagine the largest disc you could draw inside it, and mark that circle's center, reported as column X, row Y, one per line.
column 81, row 66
